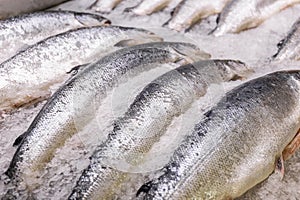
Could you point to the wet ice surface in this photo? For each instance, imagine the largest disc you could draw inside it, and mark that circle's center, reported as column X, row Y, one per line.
column 254, row 47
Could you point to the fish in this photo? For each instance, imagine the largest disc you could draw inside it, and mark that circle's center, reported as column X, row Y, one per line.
column 190, row 12
column 22, row 31
column 289, row 48
column 146, row 120
column 239, row 15
column 147, row 7
column 29, row 75
column 104, row 6
column 236, row 145
column 74, row 104
column 10, row 8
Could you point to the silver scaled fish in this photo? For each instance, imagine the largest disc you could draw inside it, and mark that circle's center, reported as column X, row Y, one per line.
column 74, row 104
column 104, row 6
column 237, row 144
column 17, row 33
column 9, row 8
column 190, row 12
column 147, row 7
column 289, row 47
column 28, row 75
column 146, row 120
column 239, row 15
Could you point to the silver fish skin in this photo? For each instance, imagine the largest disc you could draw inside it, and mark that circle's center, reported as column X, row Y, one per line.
column 9, row 8
column 289, row 47
column 104, row 6
column 147, row 7
column 21, row 31
column 236, row 145
column 29, row 74
column 73, row 105
column 239, row 15
column 190, row 12
column 146, row 120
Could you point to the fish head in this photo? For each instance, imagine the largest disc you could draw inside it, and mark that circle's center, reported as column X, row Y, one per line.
column 189, row 53
column 235, row 70
column 88, row 19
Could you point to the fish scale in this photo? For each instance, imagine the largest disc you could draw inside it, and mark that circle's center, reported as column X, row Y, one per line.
column 289, row 47
column 147, row 7
column 239, row 15
column 105, row 6
column 145, row 121
column 73, row 105
column 24, row 30
column 231, row 150
column 29, row 74
column 191, row 11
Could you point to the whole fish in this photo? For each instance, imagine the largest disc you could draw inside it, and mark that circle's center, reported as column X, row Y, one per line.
column 73, row 105
column 29, row 74
column 104, row 6
column 10, row 8
column 22, row 31
column 190, row 12
column 147, row 7
column 146, row 120
column 239, row 15
column 289, row 47
column 238, row 143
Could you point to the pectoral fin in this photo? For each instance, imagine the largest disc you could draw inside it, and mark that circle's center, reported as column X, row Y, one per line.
column 130, row 42
column 291, row 148
column 280, row 166
column 19, row 139
column 77, row 69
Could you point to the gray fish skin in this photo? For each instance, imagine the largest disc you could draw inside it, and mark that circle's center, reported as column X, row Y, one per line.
column 29, row 74
column 9, row 8
column 289, row 47
column 190, row 12
column 29, row 29
column 147, row 118
column 147, row 7
column 236, row 145
column 105, row 6
column 73, row 105
column 239, row 15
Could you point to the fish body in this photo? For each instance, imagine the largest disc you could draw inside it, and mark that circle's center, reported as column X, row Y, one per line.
column 29, row 74
column 28, row 29
column 73, row 105
column 236, row 145
column 190, row 12
column 289, row 47
column 105, row 6
column 239, row 15
column 146, row 120
column 147, row 7
column 10, row 8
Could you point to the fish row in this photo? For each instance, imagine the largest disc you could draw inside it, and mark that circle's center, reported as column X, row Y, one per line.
column 149, row 114
column 237, row 144
column 53, row 49
column 234, row 16
column 37, row 68
column 31, row 72
column 27, row 75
